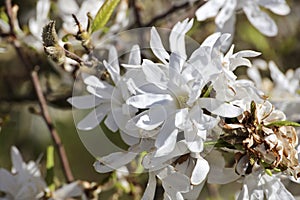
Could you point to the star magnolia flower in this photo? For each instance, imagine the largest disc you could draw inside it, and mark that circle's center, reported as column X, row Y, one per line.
column 25, row 182
column 106, row 96
column 283, row 90
column 225, row 11
column 259, row 185
column 35, row 24
column 173, row 91
column 80, row 11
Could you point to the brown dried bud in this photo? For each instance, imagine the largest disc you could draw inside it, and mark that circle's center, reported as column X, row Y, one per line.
column 51, row 46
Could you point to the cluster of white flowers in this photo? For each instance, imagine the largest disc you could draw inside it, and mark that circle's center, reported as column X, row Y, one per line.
column 178, row 112
column 171, row 111
column 225, row 12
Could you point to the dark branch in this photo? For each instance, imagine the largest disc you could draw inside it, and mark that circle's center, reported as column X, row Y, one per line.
column 41, row 98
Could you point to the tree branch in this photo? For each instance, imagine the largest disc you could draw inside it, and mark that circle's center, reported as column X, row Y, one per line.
column 172, row 10
column 55, row 137
column 41, row 98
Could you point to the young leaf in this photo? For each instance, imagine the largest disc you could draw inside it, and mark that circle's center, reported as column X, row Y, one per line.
column 283, row 123
column 50, row 168
column 104, row 14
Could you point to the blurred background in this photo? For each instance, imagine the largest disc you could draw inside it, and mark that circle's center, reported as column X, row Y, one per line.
column 22, row 127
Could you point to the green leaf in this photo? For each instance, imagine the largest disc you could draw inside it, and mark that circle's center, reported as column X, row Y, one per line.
column 283, row 123
column 269, row 172
column 50, row 168
column 104, row 14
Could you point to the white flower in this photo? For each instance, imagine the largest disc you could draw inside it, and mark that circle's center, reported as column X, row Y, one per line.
column 80, row 12
column 36, row 23
column 107, row 99
column 283, row 90
column 24, row 182
column 259, row 185
column 225, row 11
column 67, row 191
column 172, row 97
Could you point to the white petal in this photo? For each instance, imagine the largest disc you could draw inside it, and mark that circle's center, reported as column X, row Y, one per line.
column 226, row 12
column 67, row 191
column 113, row 60
column 17, row 160
column 177, row 181
column 175, row 66
column 147, row 100
column 94, row 118
column 92, row 81
column 165, row 142
column 181, row 117
column 8, row 183
column 260, row 20
column 254, row 74
column 246, row 53
column 209, row 9
column 130, row 140
column 113, row 71
column 154, row 118
column 200, row 171
column 102, row 93
column 70, row 9
column 151, row 187
column 135, row 56
column 218, row 173
column 154, row 74
column 84, row 102
column 157, row 46
column 220, row 108
column 110, row 123
column 177, row 36
column 113, row 161
column 277, row 7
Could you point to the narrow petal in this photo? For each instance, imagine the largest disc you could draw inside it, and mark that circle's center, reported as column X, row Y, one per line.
column 277, row 7
column 151, row 187
column 67, row 191
column 147, row 100
column 113, row 59
column 113, row 71
column 260, row 20
column 154, row 74
column 113, row 161
column 17, row 160
column 135, row 56
column 92, row 81
column 226, row 12
column 157, row 46
column 110, row 123
column 209, row 9
column 84, row 102
column 200, row 171
column 177, row 37
column 7, row 182
column 220, row 108
column 94, row 118
column 181, row 117
column 165, row 142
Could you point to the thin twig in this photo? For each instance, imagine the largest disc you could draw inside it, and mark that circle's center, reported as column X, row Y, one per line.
column 136, row 13
column 41, row 98
column 10, row 17
column 172, row 10
column 55, row 137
